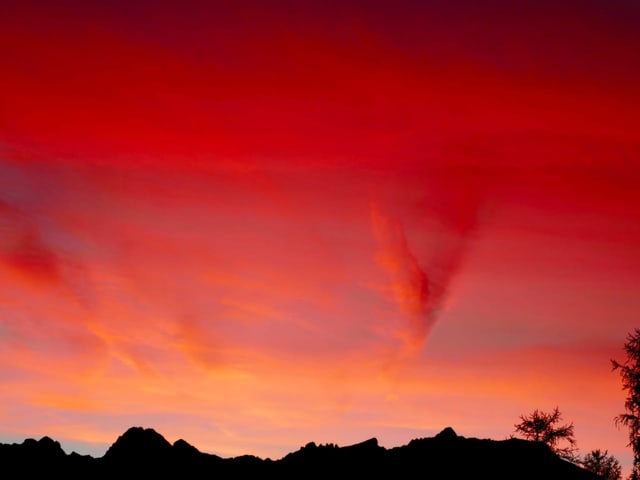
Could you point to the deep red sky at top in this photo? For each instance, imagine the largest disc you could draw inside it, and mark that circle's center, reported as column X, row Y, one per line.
column 253, row 225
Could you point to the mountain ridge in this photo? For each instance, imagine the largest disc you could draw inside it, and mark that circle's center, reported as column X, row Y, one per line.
column 141, row 452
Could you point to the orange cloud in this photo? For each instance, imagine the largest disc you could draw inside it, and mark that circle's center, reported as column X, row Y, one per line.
column 409, row 283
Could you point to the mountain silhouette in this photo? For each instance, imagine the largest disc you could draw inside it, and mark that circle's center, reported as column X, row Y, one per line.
column 144, row 453
column 138, row 443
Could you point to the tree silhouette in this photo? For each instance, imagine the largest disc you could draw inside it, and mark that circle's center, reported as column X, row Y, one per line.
column 545, row 427
column 603, row 464
column 630, row 374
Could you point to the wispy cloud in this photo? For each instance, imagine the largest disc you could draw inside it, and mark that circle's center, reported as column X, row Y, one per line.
column 410, row 285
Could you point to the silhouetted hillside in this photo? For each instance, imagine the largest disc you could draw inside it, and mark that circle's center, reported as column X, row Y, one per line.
column 142, row 453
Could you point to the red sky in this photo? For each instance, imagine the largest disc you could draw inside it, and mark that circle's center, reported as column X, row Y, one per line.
column 254, row 226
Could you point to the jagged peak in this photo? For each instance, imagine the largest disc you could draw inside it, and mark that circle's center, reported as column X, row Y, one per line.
column 138, row 441
column 447, row 433
column 45, row 445
column 184, row 446
column 370, row 443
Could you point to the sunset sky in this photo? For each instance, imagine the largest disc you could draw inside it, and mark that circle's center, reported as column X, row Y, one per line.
column 253, row 225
